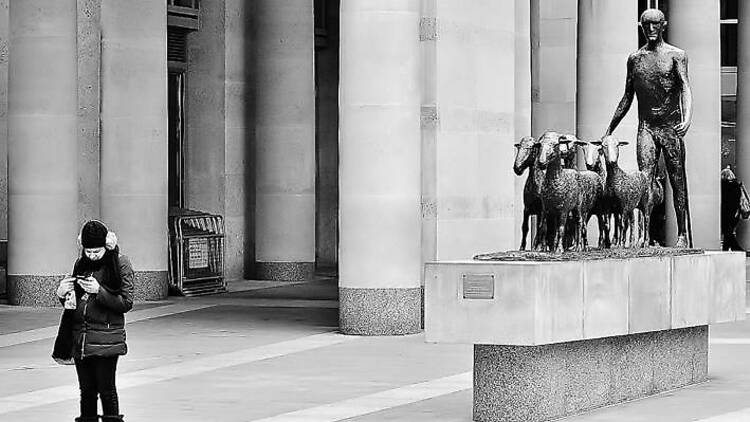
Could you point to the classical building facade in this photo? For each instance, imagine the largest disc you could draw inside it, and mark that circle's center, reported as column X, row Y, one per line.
column 362, row 137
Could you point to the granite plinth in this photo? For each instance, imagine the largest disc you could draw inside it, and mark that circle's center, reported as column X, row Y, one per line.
column 285, row 271
column 33, row 290
column 378, row 312
column 559, row 337
column 150, row 285
column 39, row 290
column 539, row 383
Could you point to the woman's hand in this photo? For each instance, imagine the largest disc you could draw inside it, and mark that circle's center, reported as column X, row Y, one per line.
column 66, row 286
column 89, row 285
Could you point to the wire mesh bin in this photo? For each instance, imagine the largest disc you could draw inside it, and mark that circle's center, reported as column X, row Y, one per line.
column 197, row 254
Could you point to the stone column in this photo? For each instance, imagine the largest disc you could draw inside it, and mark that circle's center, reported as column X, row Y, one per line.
column 42, row 149
column 285, row 136
column 553, row 65
column 694, row 27
column 89, row 112
column 743, row 108
column 134, row 137
column 522, row 122
column 607, row 35
column 380, row 177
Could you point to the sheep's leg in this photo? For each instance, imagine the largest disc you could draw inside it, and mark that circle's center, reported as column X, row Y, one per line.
column 615, row 237
column 560, row 236
column 578, row 240
column 644, row 229
column 525, row 228
column 603, row 231
column 632, row 222
column 541, row 232
column 647, row 225
column 584, row 231
column 617, row 229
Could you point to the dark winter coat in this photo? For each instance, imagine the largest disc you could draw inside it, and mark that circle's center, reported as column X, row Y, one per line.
column 98, row 323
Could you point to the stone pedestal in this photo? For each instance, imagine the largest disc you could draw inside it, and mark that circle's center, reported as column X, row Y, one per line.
column 539, row 383
column 555, row 338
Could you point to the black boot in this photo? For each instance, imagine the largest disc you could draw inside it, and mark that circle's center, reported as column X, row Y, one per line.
column 116, row 418
column 87, row 419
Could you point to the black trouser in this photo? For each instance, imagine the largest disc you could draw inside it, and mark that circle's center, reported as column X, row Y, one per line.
column 96, row 376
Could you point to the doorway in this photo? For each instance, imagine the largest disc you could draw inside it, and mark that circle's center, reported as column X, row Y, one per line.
column 176, row 135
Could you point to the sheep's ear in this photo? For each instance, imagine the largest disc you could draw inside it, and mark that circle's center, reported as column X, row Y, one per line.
column 597, row 142
column 580, row 142
column 622, row 142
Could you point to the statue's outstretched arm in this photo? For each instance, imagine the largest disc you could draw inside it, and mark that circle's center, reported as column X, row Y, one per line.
column 686, row 96
column 625, row 102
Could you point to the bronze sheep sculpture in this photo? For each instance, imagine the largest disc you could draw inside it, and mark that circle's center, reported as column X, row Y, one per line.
column 564, row 199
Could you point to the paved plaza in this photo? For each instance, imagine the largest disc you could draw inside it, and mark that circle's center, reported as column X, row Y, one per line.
column 270, row 352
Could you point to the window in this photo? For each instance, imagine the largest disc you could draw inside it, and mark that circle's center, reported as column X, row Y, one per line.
column 728, row 15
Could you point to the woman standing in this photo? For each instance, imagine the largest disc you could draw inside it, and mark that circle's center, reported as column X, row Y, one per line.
column 96, row 299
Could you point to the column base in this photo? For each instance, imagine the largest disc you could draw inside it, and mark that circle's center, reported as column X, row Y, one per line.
column 285, row 271
column 151, row 285
column 33, row 290
column 39, row 290
column 540, row 383
column 379, row 312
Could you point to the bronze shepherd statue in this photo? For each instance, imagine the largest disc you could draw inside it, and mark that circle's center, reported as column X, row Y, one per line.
column 658, row 76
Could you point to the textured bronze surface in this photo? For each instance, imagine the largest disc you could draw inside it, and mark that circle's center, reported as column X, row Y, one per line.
column 526, row 153
column 628, row 190
column 561, row 192
column 614, row 253
column 594, row 159
column 657, row 74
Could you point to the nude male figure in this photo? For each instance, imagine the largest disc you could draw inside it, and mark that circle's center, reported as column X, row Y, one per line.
column 658, row 76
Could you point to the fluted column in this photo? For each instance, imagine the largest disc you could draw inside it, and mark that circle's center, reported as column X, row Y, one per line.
column 607, row 35
column 134, row 136
column 694, row 27
column 285, row 133
column 743, row 108
column 379, row 184
column 42, row 148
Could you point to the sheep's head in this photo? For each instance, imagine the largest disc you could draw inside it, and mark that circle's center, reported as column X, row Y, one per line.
column 592, row 152
column 568, row 150
column 611, row 148
column 526, row 150
column 549, row 149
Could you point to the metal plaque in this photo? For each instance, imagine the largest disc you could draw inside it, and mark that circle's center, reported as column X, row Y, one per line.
column 478, row 286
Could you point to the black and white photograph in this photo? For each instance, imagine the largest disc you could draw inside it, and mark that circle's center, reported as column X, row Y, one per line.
column 374, row 210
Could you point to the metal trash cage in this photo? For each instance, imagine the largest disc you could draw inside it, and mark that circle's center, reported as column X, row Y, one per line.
column 196, row 254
